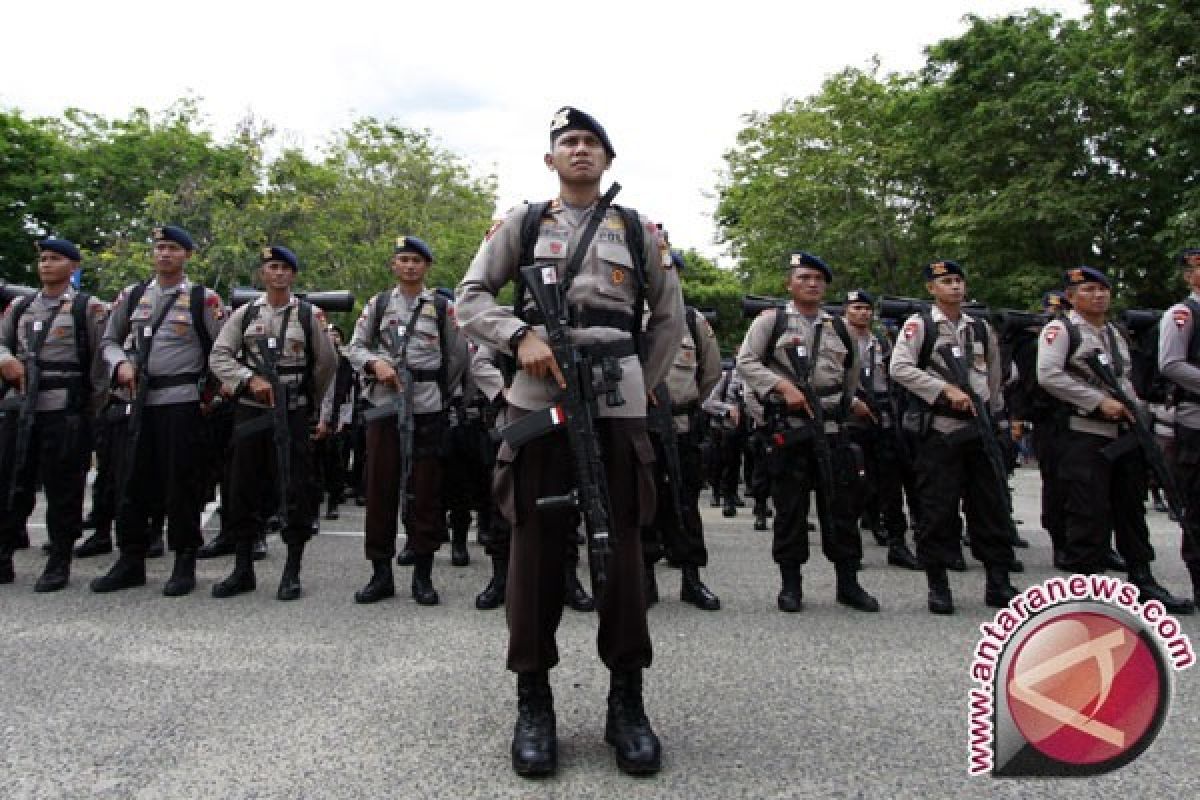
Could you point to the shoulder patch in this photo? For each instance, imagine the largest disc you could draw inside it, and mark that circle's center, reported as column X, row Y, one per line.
column 1181, row 316
column 496, row 225
column 1051, row 333
column 318, row 314
column 910, row 328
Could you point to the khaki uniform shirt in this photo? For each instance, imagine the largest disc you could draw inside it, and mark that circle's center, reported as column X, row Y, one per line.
column 606, row 281
column 695, row 370
column 1072, row 381
column 1174, row 333
column 872, row 355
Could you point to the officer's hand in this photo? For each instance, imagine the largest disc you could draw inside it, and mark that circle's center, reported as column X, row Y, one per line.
column 127, row 376
column 795, row 399
column 384, row 373
column 1115, row 410
column 861, row 410
column 651, row 399
column 536, row 358
column 958, row 399
column 735, row 416
column 260, row 389
column 14, row 373
column 321, row 431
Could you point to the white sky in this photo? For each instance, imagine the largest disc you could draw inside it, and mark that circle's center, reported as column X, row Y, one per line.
column 668, row 80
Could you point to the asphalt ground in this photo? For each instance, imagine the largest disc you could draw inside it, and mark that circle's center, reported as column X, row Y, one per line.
column 134, row 695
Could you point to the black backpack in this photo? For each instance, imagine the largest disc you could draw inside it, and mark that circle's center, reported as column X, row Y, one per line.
column 1150, row 384
column 1026, row 399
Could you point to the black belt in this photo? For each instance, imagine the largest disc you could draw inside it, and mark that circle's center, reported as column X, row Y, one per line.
column 1184, row 396
column 686, row 408
column 168, row 381
column 939, row 411
column 297, row 370
column 59, row 366
column 49, row 382
column 426, row 375
column 588, row 318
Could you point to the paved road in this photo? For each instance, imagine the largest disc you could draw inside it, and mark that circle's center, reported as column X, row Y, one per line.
column 137, row 695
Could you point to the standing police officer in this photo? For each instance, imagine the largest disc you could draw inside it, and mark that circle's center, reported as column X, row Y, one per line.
column 281, row 333
column 605, row 300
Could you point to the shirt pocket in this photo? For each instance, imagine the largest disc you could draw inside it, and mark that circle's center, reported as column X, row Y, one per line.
column 617, row 279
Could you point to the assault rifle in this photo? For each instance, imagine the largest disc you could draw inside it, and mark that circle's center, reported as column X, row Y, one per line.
column 661, row 424
column 28, row 407
column 400, row 407
column 265, row 360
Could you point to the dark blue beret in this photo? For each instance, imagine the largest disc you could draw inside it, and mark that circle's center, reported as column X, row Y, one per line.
column 799, row 258
column 860, row 296
column 569, row 118
column 445, row 291
column 1055, row 300
column 677, row 260
column 1078, row 275
column 937, row 269
column 1190, row 257
column 411, row 244
column 176, row 234
column 60, row 246
column 277, row 253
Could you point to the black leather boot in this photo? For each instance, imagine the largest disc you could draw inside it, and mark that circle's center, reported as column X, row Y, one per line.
column 259, row 551
column 649, row 585
column 157, row 548
column 381, row 585
column 729, row 509
column 1114, row 561
column 760, row 517
column 715, row 502
column 220, row 545
column 459, row 557
column 850, row 592
column 126, row 573
column 695, row 592
column 791, row 594
column 941, row 601
column 1149, row 589
column 900, row 556
column 492, row 595
column 1194, row 572
column 57, row 572
column 627, row 729
column 22, row 542
column 183, row 575
column 289, row 582
column 98, row 544
column 958, row 563
column 7, row 574
column 998, row 592
column 575, row 596
column 406, row 557
column 535, row 740
column 331, row 510
column 242, row 578
column 422, row 581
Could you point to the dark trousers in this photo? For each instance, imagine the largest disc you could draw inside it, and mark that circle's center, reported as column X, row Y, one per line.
column 680, row 539
column 793, row 475
column 733, row 446
column 167, row 476
column 57, row 458
column 953, row 474
column 104, row 487
column 254, row 481
column 1103, row 497
column 473, row 455
column 544, row 467
column 1187, row 477
column 1046, row 449
column 332, row 456
column 424, row 516
column 883, row 490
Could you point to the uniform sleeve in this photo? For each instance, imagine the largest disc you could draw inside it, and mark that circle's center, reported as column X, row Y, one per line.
column 214, row 314
column 486, row 373
column 222, row 361
column 457, row 356
column 713, row 404
column 751, row 365
column 903, row 368
column 1174, row 333
column 97, row 320
column 1052, row 374
column 995, row 373
column 360, row 351
column 324, row 354
column 665, row 326
column 115, row 333
column 494, row 265
column 709, row 357
column 7, row 328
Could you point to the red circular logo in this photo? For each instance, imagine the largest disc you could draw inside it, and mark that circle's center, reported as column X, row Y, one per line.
column 1085, row 688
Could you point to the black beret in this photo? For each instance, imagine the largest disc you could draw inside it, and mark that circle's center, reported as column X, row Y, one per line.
column 1054, row 300
column 1078, row 275
column 174, row 233
column 1190, row 257
column 677, row 260
column 60, row 246
column 937, row 269
column 445, row 291
column 411, row 244
column 799, row 258
column 860, row 296
column 569, row 118
column 278, row 253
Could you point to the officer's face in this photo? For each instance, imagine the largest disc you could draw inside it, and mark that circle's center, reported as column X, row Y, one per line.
column 806, row 285
column 858, row 315
column 578, row 157
column 409, row 267
column 169, row 257
column 277, row 275
column 950, row 289
column 1191, row 274
column 54, row 267
column 1090, row 298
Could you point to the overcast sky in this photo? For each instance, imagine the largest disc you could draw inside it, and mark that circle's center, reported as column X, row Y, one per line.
column 669, row 81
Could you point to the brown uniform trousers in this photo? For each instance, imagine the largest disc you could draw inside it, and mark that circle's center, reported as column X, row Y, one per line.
column 422, row 519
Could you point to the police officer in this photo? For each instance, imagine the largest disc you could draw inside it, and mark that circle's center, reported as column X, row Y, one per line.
column 418, row 322
column 57, row 332
column 605, row 297
column 952, row 464
column 275, row 332
column 171, row 323
column 1179, row 362
column 333, row 430
column 878, row 433
column 803, row 336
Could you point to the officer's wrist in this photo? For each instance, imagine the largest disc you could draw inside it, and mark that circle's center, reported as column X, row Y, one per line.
column 514, row 341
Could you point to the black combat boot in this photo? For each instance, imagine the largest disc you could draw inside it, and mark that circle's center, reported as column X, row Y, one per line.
column 22, row 542
column 1149, row 589
column 242, row 578
column 157, row 548
column 650, row 585
column 57, row 572
column 627, row 729
column 422, row 581
column 89, row 522
column 998, row 592
column 715, row 502
column 850, row 592
column 1113, row 561
column 1194, row 572
column 406, row 557
column 183, row 575
column 958, row 563
column 381, row 585
column 900, row 556
column 693, row 590
column 289, row 582
column 126, row 573
column 98, row 544
column 941, row 601
column 761, row 513
column 791, row 595
column 459, row 557
column 492, row 595
column 729, row 509
column 575, row 596
column 535, row 740
column 7, row 575
column 331, row 510
column 220, row 545
column 259, row 551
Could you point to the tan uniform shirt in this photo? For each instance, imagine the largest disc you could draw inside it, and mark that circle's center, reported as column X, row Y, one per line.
column 1072, row 380
column 695, row 370
column 1174, row 334
column 606, row 281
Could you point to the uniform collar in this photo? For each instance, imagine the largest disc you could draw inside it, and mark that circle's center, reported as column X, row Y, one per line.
column 66, row 296
column 1077, row 318
column 261, row 300
column 183, row 286
column 790, row 308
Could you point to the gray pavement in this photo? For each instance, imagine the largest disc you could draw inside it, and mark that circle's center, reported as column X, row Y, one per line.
column 137, row 695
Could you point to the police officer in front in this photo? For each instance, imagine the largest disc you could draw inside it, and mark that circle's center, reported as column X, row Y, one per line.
column 605, row 298
column 415, row 324
column 953, row 469
column 1179, row 362
column 803, row 336
column 277, row 332
column 169, row 323
column 57, row 332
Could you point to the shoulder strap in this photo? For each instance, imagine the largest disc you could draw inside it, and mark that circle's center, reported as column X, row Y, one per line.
column 635, row 240
column 249, row 317
column 1114, row 344
column 197, row 300
column 778, row 326
column 1193, row 349
column 20, row 306
column 531, row 226
column 691, row 323
column 928, row 339
column 306, row 325
column 839, row 326
column 441, row 305
column 980, row 330
column 135, row 296
column 379, row 307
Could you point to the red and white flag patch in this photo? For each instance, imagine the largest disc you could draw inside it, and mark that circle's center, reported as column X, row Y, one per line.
column 1182, row 316
column 1051, row 334
column 910, row 329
